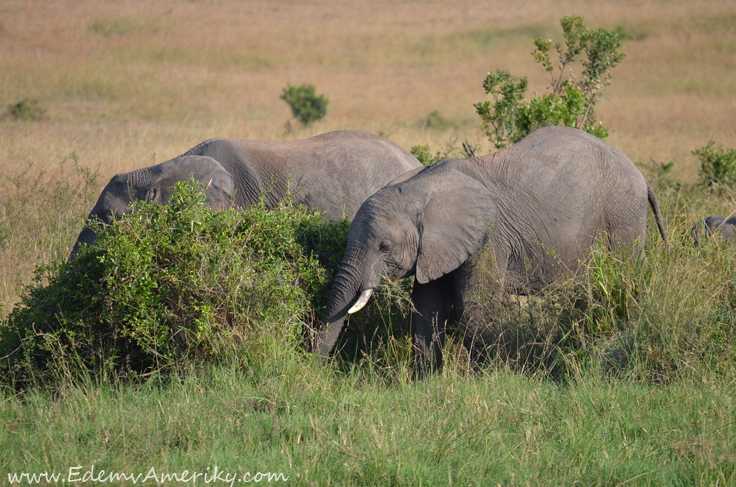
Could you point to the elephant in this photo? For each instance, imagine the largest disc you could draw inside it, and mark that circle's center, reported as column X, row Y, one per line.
column 716, row 224
column 332, row 173
column 538, row 206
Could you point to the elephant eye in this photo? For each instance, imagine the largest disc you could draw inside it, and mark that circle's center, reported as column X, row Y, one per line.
column 385, row 246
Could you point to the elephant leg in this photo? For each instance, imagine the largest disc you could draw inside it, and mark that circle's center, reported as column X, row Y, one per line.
column 480, row 285
column 433, row 302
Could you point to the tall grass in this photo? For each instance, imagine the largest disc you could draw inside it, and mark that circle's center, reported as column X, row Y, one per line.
column 41, row 214
column 317, row 426
column 656, row 321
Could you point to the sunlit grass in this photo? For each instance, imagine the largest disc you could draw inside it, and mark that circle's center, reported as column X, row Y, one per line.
column 319, row 427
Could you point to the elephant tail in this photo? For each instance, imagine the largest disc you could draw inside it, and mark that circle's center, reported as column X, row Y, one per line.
column 657, row 215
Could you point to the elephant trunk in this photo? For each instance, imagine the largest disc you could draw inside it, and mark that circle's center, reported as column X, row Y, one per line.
column 86, row 236
column 347, row 285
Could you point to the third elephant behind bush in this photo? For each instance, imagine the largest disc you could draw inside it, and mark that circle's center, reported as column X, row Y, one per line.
column 716, row 224
column 332, row 173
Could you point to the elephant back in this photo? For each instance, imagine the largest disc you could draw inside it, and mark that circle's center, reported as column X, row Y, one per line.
column 332, row 172
column 252, row 173
column 562, row 189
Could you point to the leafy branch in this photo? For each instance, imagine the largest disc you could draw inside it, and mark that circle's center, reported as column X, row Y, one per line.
column 571, row 101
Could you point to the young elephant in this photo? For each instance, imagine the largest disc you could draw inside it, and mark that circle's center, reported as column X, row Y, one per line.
column 539, row 205
column 716, row 224
column 332, row 173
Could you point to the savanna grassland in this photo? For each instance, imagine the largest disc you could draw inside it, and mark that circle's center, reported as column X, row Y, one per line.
column 623, row 376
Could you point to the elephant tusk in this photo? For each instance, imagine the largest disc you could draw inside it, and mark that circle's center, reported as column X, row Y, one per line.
column 364, row 297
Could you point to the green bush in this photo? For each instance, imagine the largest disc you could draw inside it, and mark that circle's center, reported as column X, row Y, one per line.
column 435, row 120
column 26, row 109
column 172, row 284
column 717, row 166
column 571, row 101
column 453, row 147
column 305, row 104
column 424, row 154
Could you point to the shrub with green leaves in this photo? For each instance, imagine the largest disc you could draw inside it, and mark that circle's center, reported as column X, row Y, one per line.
column 26, row 109
column 453, row 147
column 173, row 283
column 305, row 104
column 717, row 166
column 570, row 102
column 424, row 154
column 435, row 120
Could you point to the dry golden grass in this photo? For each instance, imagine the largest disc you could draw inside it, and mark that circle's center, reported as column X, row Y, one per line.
column 123, row 83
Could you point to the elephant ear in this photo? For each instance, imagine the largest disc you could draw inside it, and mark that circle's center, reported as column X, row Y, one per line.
column 210, row 173
column 455, row 224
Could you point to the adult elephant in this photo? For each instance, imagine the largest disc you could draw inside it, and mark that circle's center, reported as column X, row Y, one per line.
column 539, row 204
column 332, row 173
column 716, row 224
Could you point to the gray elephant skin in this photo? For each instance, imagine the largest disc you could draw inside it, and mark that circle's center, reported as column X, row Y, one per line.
column 540, row 205
column 716, row 224
column 332, row 173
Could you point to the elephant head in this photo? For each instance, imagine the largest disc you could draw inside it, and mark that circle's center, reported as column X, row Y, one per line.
column 155, row 184
column 409, row 228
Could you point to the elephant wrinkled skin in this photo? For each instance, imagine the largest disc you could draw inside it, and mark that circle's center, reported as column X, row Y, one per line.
column 332, row 173
column 540, row 205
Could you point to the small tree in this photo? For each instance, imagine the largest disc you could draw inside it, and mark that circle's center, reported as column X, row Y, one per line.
column 571, row 101
column 305, row 104
column 717, row 166
column 26, row 109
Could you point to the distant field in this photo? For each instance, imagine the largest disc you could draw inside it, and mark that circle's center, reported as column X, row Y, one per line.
column 125, row 84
